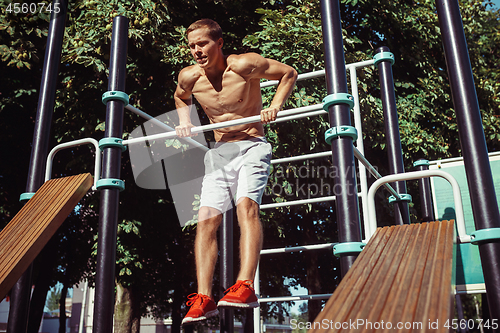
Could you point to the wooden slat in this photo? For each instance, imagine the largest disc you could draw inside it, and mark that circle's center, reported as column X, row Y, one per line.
column 401, row 281
column 32, row 227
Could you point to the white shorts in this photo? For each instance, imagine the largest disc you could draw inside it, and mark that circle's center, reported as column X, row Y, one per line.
column 234, row 170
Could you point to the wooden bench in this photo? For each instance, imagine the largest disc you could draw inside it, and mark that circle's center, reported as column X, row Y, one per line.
column 32, row 227
column 402, row 281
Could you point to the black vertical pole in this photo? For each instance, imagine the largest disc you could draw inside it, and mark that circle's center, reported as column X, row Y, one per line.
column 393, row 139
column 347, row 208
column 424, row 187
column 108, row 214
column 226, row 268
column 473, row 142
column 20, row 293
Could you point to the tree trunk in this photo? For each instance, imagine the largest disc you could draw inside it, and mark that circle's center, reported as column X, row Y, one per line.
column 176, row 309
column 313, row 280
column 313, row 285
column 44, row 266
column 62, row 309
column 127, row 314
column 37, row 303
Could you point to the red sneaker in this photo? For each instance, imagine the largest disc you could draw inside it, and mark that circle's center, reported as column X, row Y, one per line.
column 202, row 307
column 241, row 295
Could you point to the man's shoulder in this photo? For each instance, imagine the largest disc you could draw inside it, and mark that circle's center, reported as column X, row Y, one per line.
column 189, row 75
column 244, row 63
column 192, row 70
column 245, row 58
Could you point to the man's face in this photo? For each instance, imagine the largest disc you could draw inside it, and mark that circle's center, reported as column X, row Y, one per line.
column 203, row 48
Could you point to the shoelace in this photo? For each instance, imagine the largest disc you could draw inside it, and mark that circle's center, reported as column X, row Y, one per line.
column 237, row 286
column 194, row 297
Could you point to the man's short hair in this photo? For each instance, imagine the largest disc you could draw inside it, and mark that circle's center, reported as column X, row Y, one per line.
column 214, row 29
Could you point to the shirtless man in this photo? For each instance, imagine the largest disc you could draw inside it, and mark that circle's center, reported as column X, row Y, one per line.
column 227, row 88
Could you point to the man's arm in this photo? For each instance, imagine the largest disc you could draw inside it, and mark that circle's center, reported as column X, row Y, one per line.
column 270, row 69
column 183, row 103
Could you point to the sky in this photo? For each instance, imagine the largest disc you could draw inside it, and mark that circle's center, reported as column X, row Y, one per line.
column 497, row 3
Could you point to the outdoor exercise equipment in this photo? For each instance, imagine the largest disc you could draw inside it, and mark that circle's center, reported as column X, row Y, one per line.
column 21, row 292
column 33, row 226
column 400, row 282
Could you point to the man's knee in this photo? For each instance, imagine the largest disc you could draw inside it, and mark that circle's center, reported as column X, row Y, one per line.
column 247, row 209
column 209, row 219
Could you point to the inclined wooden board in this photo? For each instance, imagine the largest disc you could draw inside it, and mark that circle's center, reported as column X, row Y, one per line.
column 404, row 276
column 32, row 227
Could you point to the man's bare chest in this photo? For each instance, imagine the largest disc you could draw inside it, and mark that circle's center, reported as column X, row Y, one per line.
column 228, row 93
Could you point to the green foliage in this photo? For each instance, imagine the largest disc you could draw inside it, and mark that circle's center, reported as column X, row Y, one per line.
column 472, row 308
column 53, row 299
column 127, row 256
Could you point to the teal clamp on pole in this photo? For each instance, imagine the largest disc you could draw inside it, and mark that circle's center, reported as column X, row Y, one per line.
column 383, row 56
column 26, row 196
column 115, row 96
column 339, row 131
column 112, row 142
column 404, row 197
column 421, row 162
column 110, row 183
column 484, row 235
column 348, row 247
column 338, row 98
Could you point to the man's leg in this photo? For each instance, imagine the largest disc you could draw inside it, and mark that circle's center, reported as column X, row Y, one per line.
column 251, row 237
column 205, row 252
column 242, row 294
column 205, row 248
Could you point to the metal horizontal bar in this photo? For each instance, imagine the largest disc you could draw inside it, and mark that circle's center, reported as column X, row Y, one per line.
column 374, row 172
column 360, row 64
column 299, row 202
column 318, row 73
column 298, row 248
column 301, row 157
column 358, row 155
column 300, row 77
column 162, row 125
column 300, row 116
column 224, row 124
column 294, row 298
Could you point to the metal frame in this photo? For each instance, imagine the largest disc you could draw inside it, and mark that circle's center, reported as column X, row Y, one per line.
column 471, row 133
column 62, row 146
column 393, row 138
column 424, row 188
column 21, row 292
column 226, row 267
column 347, row 203
column 473, row 143
column 457, row 198
column 256, row 311
column 108, row 213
